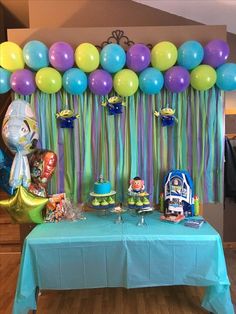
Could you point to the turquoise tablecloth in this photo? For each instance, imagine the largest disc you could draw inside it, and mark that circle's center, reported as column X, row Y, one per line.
column 98, row 253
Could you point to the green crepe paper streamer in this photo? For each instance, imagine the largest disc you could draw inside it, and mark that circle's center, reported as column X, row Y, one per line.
column 104, row 144
column 184, row 131
column 203, row 112
column 210, row 171
column 53, row 144
column 195, row 123
column 133, row 138
column 156, row 174
column 74, row 103
column 164, row 148
column 178, row 131
column 126, row 170
column 111, row 148
column 145, row 105
column 88, row 168
column 120, row 160
column 159, row 168
column 80, row 101
column 220, row 141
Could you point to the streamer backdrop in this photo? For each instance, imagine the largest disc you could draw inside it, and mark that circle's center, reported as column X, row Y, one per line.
column 134, row 143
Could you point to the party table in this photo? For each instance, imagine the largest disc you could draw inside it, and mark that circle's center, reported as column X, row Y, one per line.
column 96, row 253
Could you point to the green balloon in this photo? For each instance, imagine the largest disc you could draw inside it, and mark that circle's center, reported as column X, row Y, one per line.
column 125, row 82
column 48, row 80
column 203, row 77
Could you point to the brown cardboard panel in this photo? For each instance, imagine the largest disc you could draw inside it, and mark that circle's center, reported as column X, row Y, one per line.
column 100, row 13
column 140, row 34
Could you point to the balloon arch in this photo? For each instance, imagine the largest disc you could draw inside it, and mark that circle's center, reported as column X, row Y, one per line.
column 113, row 68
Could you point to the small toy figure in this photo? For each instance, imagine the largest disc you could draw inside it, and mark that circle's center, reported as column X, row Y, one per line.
column 114, row 105
column 136, row 185
column 167, row 116
column 67, row 118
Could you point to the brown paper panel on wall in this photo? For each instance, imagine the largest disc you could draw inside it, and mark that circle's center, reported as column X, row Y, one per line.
column 146, row 35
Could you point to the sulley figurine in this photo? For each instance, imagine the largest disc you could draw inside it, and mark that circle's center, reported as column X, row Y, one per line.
column 20, row 134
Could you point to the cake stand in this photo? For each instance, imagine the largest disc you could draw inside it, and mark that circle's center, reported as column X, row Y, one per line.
column 139, row 205
column 118, row 210
column 103, row 203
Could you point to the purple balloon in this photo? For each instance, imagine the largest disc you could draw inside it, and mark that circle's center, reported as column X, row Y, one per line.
column 177, row 79
column 216, row 53
column 61, row 56
column 100, row 82
column 138, row 57
column 23, row 82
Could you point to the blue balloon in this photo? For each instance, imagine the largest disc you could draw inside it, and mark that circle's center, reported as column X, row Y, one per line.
column 151, row 81
column 112, row 58
column 74, row 81
column 4, row 81
column 226, row 77
column 35, row 54
column 190, row 54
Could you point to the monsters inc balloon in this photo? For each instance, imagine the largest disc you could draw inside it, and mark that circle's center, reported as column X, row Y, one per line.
column 20, row 134
column 42, row 166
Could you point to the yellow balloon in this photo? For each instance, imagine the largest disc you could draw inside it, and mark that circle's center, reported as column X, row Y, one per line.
column 48, row 80
column 125, row 82
column 87, row 57
column 11, row 57
column 203, row 77
column 164, row 55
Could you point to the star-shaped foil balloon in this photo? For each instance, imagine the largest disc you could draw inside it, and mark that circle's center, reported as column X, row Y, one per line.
column 24, row 207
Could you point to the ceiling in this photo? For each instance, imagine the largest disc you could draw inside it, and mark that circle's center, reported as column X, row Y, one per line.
column 210, row 12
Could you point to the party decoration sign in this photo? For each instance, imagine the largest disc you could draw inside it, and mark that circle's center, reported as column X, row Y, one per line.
column 24, row 207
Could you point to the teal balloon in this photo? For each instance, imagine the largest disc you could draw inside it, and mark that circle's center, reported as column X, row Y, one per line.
column 74, row 81
column 190, row 54
column 112, row 58
column 151, row 81
column 4, row 81
column 35, row 54
column 226, row 77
